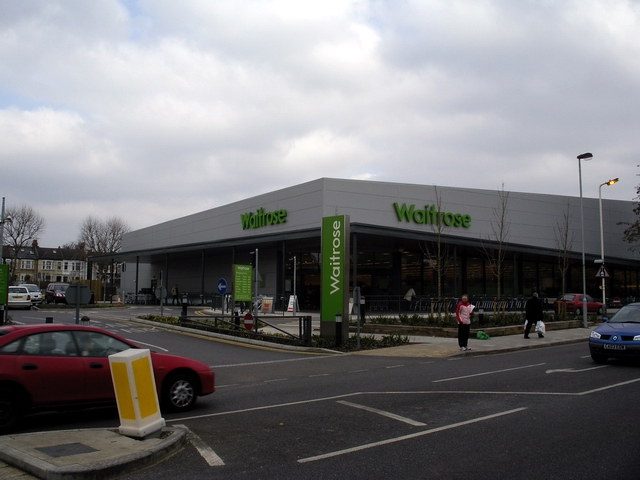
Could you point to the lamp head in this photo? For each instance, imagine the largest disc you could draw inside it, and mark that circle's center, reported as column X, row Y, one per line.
column 585, row 156
column 612, row 181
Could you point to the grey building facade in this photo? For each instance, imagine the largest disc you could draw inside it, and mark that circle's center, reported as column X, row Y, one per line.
column 396, row 230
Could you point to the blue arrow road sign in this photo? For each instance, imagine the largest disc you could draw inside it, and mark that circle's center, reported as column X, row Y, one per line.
column 222, row 286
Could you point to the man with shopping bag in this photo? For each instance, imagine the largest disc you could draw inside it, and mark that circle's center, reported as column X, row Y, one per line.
column 533, row 314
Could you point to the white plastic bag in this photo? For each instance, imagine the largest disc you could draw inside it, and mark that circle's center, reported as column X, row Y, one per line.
column 540, row 328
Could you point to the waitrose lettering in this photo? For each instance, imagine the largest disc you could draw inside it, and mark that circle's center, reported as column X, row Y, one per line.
column 262, row 218
column 430, row 216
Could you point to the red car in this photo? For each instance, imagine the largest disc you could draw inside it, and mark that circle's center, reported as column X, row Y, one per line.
column 574, row 304
column 53, row 366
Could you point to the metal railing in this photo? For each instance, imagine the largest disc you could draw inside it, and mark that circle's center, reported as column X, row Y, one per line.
column 427, row 305
column 234, row 325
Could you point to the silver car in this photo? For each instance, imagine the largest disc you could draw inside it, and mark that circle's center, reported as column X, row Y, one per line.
column 35, row 292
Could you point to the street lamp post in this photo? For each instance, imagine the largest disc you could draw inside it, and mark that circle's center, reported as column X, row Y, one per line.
column 3, row 305
column 586, row 157
column 295, row 298
column 255, row 273
column 604, row 296
column 2, row 222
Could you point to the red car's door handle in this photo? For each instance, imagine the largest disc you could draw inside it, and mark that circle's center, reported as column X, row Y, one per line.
column 95, row 365
column 29, row 366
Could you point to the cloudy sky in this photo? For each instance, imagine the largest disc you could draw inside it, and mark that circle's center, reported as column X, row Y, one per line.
column 154, row 109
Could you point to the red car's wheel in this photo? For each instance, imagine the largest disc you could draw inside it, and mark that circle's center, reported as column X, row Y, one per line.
column 11, row 408
column 180, row 392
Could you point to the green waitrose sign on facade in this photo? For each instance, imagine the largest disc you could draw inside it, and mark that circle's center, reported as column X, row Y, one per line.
column 429, row 215
column 335, row 275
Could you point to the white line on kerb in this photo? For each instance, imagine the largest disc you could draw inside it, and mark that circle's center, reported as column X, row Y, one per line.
column 204, row 450
column 383, row 413
column 487, row 373
column 406, row 437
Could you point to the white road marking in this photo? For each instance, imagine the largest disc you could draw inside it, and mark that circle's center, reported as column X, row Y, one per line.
column 610, row 386
column 487, row 373
column 394, row 366
column 149, row 345
column 422, row 392
column 211, row 457
column 573, row 370
column 406, row 437
column 383, row 413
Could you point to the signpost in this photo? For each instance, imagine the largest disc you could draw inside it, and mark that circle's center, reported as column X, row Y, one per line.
column 222, row 289
column 79, row 294
column 4, row 282
column 248, row 321
column 602, row 272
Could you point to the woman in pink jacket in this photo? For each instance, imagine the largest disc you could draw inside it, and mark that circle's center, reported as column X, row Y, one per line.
column 463, row 316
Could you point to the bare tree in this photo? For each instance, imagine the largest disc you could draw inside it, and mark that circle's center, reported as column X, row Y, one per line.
column 101, row 237
column 26, row 226
column 564, row 237
column 500, row 226
column 438, row 254
column 632, row 233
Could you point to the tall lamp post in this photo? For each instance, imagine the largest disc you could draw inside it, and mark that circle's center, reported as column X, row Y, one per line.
column 3, row 220
column 255, row 273
column 604, row 296
column 295, row 298
column 586, row 157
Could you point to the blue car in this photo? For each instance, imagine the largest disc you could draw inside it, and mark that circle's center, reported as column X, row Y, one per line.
column 617, row 337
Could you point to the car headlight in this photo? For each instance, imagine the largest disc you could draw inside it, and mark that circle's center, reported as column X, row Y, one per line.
column 595, row 334
column 636, row 338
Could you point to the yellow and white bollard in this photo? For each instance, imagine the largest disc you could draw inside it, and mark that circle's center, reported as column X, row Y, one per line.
column 136, row 395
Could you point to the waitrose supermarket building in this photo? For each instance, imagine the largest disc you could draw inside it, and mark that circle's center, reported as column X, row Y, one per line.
column 393, row 233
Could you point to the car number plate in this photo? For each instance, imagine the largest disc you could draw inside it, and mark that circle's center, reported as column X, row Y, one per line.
column 614, row 347
column 18, row 297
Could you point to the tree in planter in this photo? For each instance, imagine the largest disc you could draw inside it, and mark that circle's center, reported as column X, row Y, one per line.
column 564, row 237
column 495, row 253
column 438, row 253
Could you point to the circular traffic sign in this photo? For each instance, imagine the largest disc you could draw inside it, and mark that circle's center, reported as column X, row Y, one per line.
column 222, row 286
column 248, row 321
column 78, row 293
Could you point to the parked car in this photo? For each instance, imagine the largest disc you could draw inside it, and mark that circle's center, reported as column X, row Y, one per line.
column 55, row 293
column 574, row 304
column 55, row 366
column 618, row 336
column 34, row 291
column 18, row 297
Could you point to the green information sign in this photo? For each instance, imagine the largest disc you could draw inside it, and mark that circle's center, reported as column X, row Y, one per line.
column 4, row 281
column 242, row 276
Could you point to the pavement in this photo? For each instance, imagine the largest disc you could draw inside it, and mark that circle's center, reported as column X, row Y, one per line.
column 105, row 453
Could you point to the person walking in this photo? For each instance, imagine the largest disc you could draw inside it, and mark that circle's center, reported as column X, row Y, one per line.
column 175, row 294
column 533, row 313
column 463, row 316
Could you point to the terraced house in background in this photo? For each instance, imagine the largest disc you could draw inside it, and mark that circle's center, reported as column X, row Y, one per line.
column 42, row 265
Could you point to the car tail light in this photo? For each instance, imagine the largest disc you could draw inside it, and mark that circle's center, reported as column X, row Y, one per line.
column 28, row 297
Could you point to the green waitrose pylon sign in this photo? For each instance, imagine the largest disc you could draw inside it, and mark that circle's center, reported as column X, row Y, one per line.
column 334, row 268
